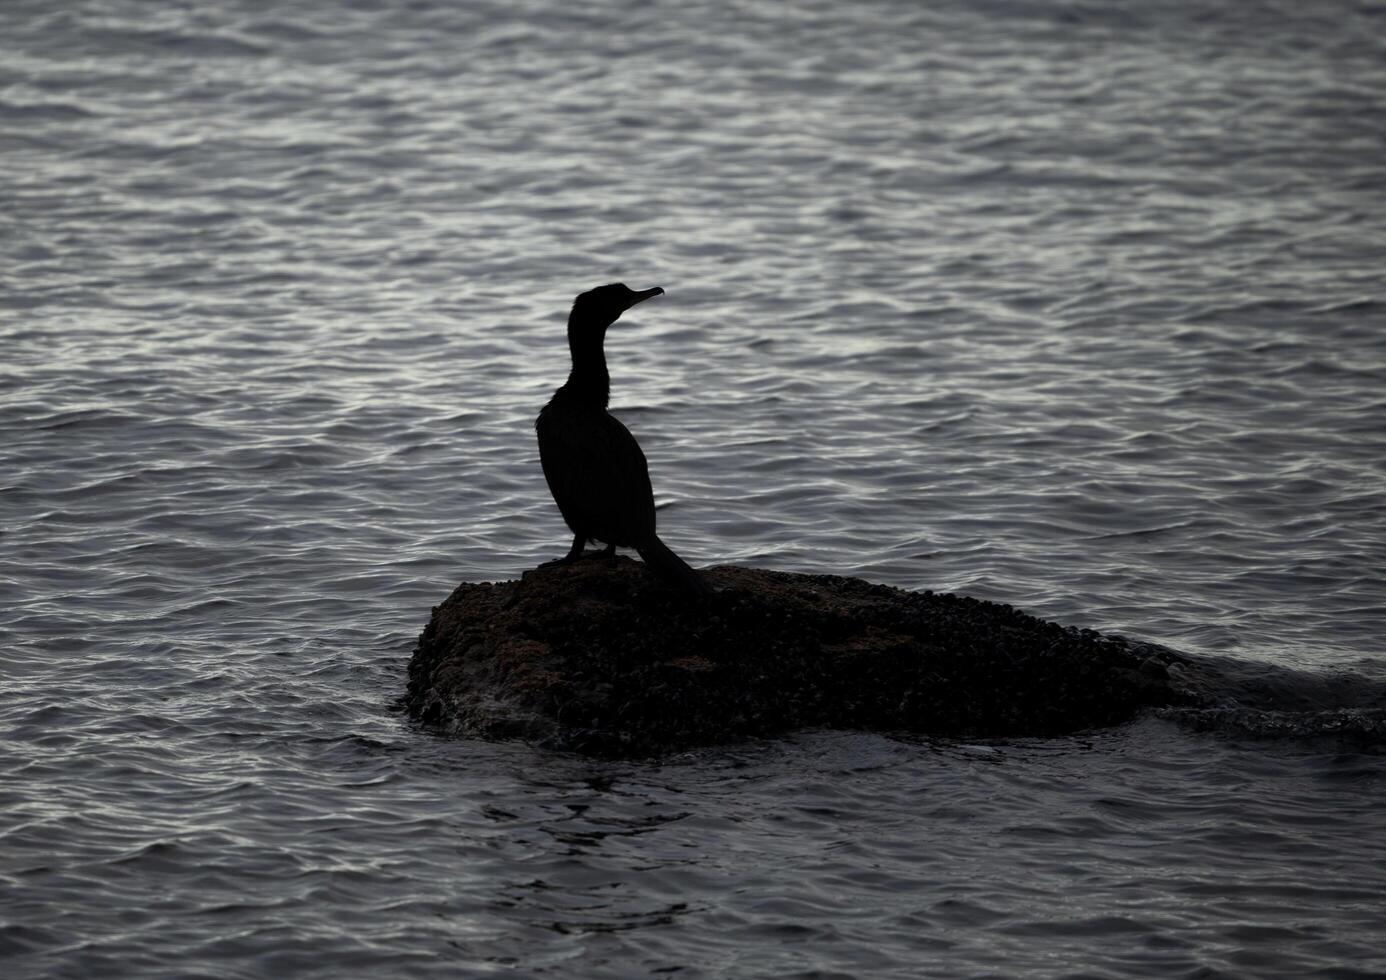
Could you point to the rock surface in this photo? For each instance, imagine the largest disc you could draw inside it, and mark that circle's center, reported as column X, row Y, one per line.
column 600, row 656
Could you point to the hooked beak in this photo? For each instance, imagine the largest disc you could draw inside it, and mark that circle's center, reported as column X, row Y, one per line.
column 643, row 294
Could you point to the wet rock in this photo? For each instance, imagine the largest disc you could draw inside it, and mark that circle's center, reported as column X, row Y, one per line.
column 602, row 657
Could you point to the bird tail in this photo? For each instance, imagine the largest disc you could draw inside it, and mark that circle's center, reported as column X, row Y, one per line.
column 672, row 568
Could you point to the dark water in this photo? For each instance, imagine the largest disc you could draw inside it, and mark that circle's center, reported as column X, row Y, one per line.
column 1075, row 305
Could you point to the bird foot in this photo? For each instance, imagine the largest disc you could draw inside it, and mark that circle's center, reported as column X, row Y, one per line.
column 606, row 553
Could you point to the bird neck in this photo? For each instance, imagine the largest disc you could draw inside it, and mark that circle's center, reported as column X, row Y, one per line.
column 588, row 381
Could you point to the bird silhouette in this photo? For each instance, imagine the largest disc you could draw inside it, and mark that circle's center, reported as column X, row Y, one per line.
column 594, row 467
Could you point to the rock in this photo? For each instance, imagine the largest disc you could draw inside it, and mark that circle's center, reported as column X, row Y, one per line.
column 602, row 657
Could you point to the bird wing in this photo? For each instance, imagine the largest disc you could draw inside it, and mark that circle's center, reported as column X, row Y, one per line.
column 597, row 474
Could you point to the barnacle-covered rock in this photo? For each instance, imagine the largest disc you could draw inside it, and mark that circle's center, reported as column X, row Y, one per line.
column 601, row 656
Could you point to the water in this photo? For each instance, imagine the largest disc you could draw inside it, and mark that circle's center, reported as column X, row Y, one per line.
column 1075, row 305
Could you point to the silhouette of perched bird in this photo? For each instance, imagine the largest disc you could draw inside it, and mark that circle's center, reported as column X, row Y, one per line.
column 594, row 466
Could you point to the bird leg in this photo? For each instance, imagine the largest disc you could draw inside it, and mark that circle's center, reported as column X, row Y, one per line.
column 577, row 552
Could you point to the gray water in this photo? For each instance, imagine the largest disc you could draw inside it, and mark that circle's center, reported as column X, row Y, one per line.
column 1073, row 305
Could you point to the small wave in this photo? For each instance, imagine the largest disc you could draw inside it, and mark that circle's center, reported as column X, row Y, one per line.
column 1144, row 532
column 179, row 42
column 1365, row 304
column 42, row 112
column 87, row 417
column 1367, row 726
column 284, row 30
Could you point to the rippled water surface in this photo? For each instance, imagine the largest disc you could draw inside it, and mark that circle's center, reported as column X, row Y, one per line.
column 1074, row 305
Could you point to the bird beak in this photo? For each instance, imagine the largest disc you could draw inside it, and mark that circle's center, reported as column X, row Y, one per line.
column 643, row 294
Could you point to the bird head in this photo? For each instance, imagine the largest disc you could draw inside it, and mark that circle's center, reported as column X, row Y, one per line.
column 602, row 306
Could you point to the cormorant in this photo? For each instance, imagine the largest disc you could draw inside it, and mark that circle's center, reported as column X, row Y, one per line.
column 594, row 466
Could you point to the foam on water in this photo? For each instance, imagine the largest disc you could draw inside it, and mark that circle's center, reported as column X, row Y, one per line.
column 1068, row 304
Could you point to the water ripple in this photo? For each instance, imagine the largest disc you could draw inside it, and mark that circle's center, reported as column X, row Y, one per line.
column 1070, row 305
